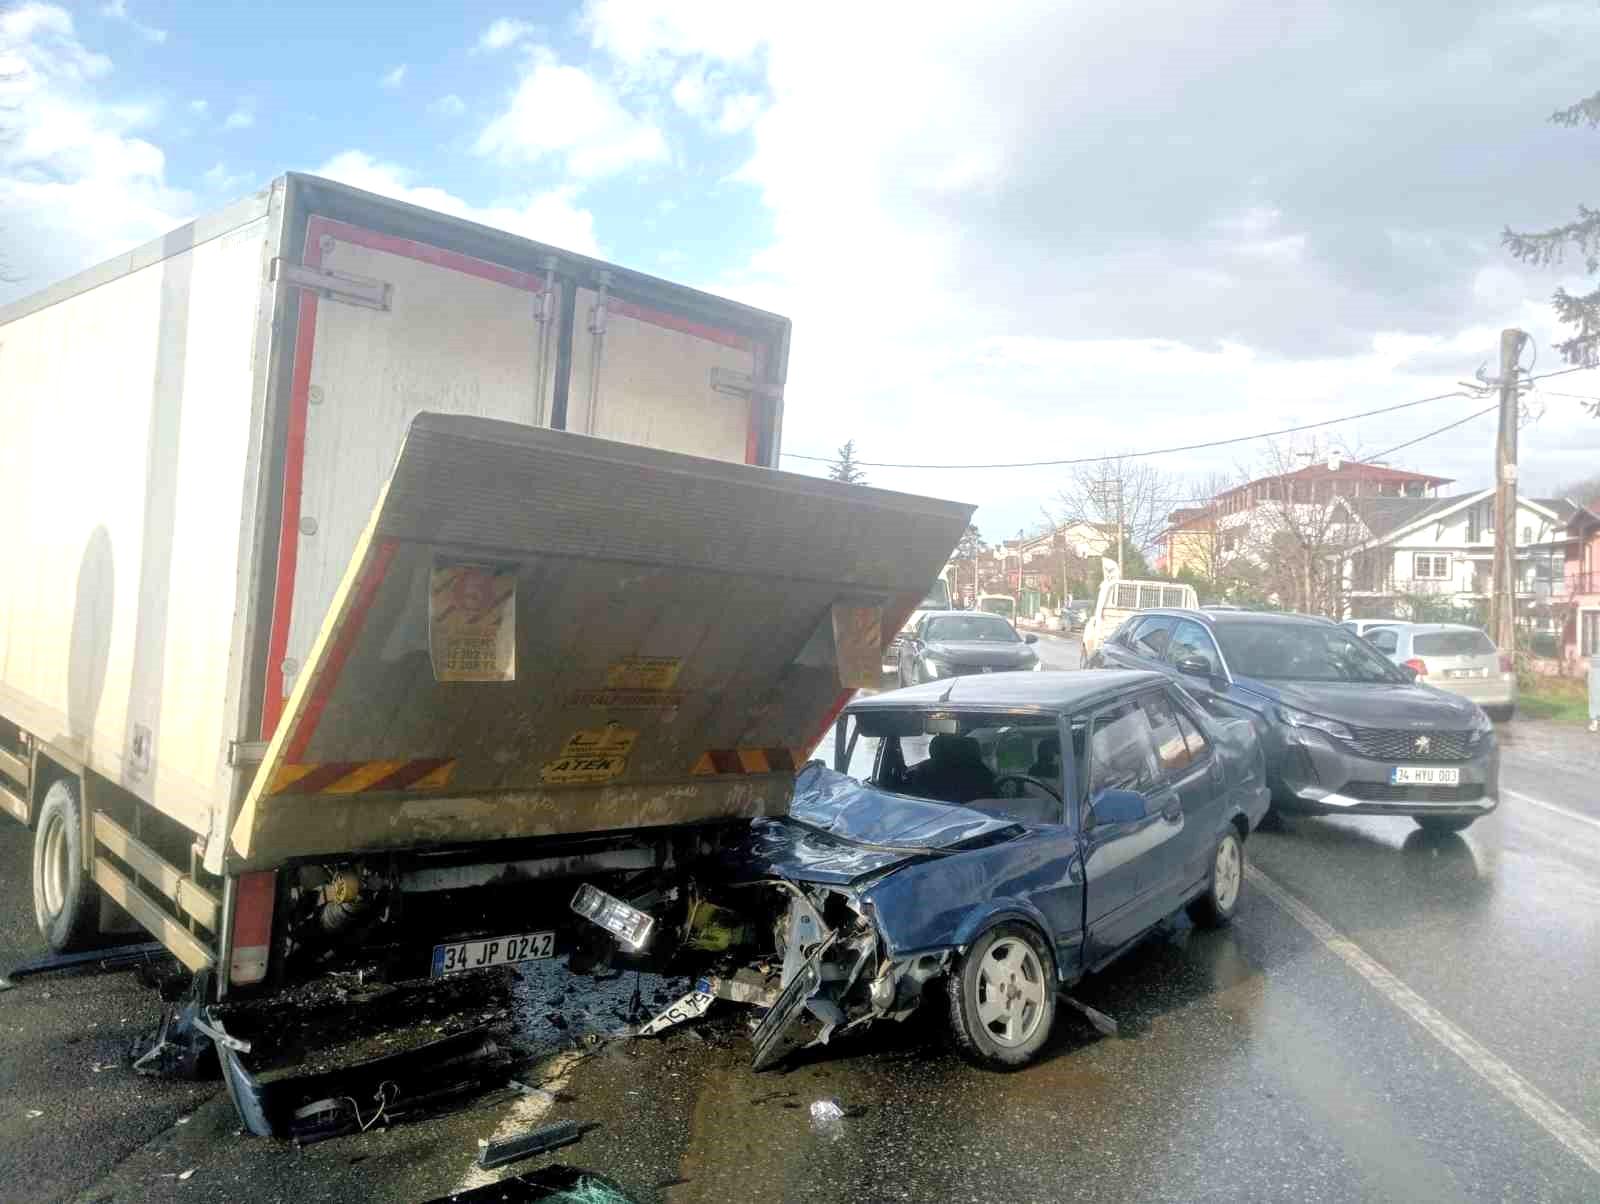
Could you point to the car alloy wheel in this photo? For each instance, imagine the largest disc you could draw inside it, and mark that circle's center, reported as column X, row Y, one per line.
column 1011, row 992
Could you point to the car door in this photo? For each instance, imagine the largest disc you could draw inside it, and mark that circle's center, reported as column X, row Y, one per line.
column 1144, row 645
column 1189, row 769
column 1125, row 884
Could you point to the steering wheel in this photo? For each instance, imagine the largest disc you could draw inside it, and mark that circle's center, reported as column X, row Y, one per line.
column 1007, row 786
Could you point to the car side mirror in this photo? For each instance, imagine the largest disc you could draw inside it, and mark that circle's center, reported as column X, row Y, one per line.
column 1030, row 638
column 1119, row 807
column 1195, row 666
column 1411, row 674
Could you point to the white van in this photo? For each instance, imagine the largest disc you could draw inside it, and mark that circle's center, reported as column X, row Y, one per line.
column 1118, row 599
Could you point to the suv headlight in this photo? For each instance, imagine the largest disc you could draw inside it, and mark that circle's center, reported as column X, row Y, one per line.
column 1328, row 727
column 1481, row 724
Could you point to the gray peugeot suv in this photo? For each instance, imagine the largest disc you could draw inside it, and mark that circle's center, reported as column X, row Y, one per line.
column 1344, row 730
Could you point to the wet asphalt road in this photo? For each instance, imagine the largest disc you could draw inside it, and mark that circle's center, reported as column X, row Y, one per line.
column 1270, row 1061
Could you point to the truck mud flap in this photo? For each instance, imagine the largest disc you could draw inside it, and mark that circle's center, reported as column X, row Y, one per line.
column 541, row 634
column 405, row 1085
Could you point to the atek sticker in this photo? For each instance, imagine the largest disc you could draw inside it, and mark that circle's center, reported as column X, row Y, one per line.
column 591, row 755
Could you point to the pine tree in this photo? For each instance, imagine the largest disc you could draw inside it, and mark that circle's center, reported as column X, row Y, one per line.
column 845, row 467
column 1581, row 239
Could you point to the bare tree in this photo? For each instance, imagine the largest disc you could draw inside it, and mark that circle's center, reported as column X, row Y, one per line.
column 1299, row 532
column 1126, row 497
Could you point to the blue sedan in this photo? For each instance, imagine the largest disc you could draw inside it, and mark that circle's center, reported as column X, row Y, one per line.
column 1009, row 834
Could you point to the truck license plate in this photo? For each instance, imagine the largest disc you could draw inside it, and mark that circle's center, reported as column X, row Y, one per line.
column 1454, row 673
column 1424, row 775
column 495, row 951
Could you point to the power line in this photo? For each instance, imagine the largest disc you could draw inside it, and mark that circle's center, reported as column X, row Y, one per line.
column 1166, row 451
column 1413, row 442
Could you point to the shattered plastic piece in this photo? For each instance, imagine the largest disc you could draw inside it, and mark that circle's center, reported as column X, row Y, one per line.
column 827, row 1119
column 183, row 1178
column 34, row 1114
column 1103, row 1024
column 536, row 1141
column 554, row 1184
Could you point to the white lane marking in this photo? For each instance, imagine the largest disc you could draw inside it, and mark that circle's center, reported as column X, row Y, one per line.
column 526, row 1111
column 1539, row 802
column 1538, row 1107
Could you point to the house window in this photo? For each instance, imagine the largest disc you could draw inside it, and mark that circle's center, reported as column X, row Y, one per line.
column 1431, row 568
column 1480, row 522
column 1527, row 535
column 1589, row 633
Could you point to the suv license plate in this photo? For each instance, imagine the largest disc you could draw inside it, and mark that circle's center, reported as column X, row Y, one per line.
column 495, row 951
column 1424, row 775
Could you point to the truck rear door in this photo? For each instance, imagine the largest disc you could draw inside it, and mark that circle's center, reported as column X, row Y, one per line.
column 389, row 327
column 540, row 633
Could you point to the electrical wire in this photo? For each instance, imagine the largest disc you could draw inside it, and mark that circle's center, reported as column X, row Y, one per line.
column 1165, row 451
column 1413, row 442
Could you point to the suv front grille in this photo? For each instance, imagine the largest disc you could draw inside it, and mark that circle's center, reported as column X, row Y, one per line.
column 1392, row 744
column 1382, row 792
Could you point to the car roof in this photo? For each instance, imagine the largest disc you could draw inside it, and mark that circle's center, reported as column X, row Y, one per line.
column 1437, row 628
column 961, row 614
column 1061, row 690
column 1240, row 618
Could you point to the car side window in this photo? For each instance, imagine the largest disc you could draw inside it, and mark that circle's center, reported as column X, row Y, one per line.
column 1121, row 754
column 1384, row 639
column 1152, row 635
column 1172, row 751
column 1190, row 639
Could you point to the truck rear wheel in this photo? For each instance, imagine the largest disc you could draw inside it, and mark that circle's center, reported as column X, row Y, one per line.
column 65, row 900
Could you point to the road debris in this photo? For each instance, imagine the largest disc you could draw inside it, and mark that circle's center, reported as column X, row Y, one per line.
column 33, row 1114
column 827, row 1119
column 536, row 1141
column 1103, row 1024
column 548, row 1185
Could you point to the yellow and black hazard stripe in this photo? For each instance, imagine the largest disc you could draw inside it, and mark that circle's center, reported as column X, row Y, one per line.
column 746, row 760
column 356, row 777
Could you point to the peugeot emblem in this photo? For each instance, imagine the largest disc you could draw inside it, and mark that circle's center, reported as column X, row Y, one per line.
column 1423, row 744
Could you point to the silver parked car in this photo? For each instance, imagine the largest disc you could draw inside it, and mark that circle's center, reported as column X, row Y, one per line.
column 1453, row 657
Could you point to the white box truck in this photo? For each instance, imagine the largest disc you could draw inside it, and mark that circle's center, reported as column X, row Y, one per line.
column 375, row 576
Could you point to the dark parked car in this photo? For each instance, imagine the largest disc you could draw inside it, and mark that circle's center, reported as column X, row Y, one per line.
column 957, row 643
column 1344, row 730
column 1012, row 834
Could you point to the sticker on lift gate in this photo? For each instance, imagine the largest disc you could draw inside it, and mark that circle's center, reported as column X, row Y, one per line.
column 472, row 622
column 589, row 756
column 644, row 673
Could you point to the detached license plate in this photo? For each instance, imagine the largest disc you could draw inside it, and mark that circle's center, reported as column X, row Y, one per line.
column 495, row 951
column 1424, row 775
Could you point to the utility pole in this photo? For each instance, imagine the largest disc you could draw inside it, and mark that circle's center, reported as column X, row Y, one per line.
column 1503, row 606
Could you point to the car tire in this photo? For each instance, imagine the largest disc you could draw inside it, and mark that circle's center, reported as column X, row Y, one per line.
column 1216, row 905
column 66, row 902
column 1003, row 997
column 1442, row 824
column 1501, row 714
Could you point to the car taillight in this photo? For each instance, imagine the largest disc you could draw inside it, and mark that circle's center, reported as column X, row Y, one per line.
column 1417, row 665
column 1507, row 662
column 253, row 900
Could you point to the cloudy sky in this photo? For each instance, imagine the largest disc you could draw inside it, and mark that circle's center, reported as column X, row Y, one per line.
column 1003, row 232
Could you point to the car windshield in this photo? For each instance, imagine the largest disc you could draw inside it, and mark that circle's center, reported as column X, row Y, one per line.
column 962, row 758
column 974, row 629
column 1302, row 652
column 1452, row 643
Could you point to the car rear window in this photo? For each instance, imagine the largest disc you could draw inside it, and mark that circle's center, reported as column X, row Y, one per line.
column 1452, row 643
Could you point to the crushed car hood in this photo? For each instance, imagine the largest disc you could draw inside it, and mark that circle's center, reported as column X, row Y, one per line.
column 1375, row 704
column 839, row 830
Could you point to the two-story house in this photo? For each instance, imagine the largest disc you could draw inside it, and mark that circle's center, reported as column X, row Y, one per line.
column 1579, row 593
column 1418, row 550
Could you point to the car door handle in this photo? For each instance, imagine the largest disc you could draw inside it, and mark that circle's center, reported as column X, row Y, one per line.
column 1172, row 810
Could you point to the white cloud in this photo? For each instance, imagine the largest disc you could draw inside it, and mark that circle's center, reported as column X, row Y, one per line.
column 449, row 105
column 505, row 32
column 219, row 179
column 118, row 10
column 552, row 216
column 78, row 181
column 563, row 113
column 199, row 107
column 239, row 119
column 739, row 113
column 393, row 77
